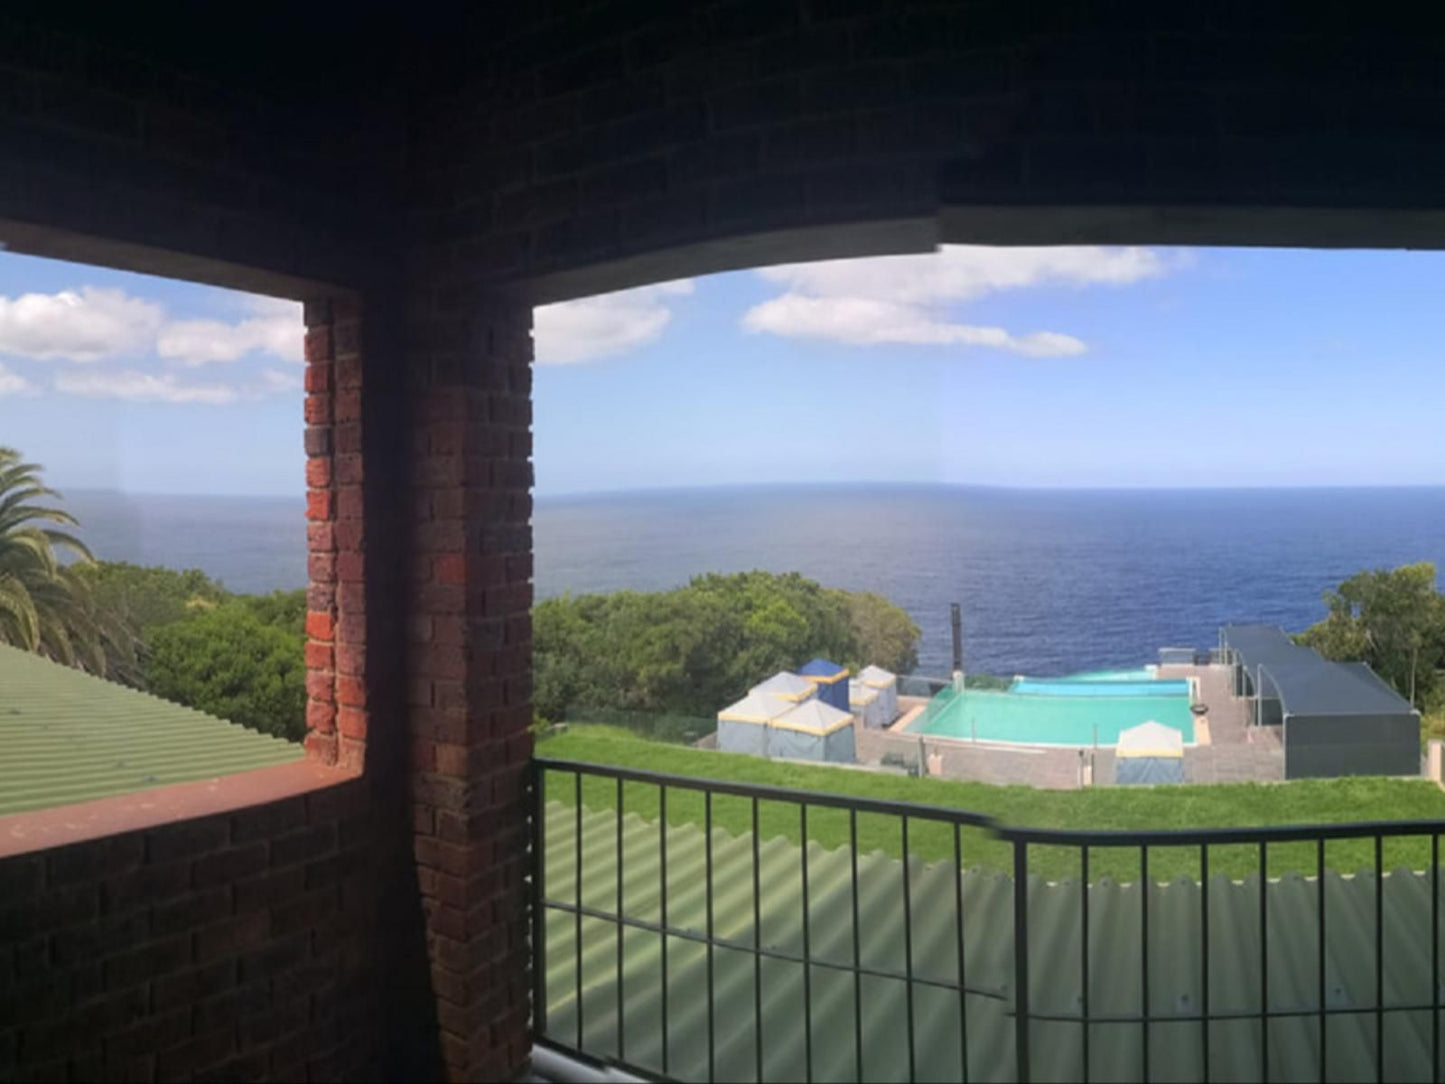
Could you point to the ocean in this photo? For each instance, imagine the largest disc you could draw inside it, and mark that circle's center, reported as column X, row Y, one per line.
column 1050, row 581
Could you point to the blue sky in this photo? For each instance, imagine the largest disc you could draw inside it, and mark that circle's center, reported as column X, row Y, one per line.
column 1062, row 367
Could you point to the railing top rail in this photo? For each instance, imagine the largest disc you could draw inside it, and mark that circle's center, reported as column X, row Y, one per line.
column 767, row 792
column 1069, row 837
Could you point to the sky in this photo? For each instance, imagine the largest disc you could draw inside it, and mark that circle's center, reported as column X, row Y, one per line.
column 1070, row 367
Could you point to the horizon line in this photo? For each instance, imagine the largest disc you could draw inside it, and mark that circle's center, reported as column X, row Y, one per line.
column 642, row 490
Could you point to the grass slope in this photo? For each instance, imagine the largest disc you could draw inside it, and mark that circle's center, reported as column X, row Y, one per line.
column 1300, row 802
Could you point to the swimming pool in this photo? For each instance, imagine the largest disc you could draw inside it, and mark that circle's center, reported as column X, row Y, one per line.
column 1138, row 673
column 1050, row 719
column 1110, row 687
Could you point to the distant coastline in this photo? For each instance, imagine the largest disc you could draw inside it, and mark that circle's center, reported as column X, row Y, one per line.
column 1051, row 580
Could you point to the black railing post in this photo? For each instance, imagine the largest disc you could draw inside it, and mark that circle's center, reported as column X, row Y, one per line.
column 1323, row 993
column 1021, row 960
column 577, row 889
column 572, row 902
column 1263, row 962
column 1084, row 958
column 962, row 961
column 1434, row 956
column 1379, row 958
column 621, row 930
column 908, row 950
column 757, row 951
column 1144, row 957
column 662, row 907
column 1204, row 956
column 538, row 911
column 807, row 948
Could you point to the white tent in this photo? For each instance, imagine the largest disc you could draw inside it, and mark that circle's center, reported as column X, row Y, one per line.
column 786, row 686
column 743, row 727
column 886, row 682
column 813, row 730
column 866, row 704
column 1149, row 753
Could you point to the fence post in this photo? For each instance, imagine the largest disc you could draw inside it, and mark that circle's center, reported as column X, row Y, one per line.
column 538, row 916
column 1021, row 959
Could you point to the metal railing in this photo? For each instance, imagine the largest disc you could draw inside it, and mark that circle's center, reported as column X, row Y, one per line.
column 583, row 825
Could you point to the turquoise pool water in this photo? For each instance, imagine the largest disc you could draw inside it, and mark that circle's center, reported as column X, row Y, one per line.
column 1111, row 687
column 1049, row 719
column 1139, row 673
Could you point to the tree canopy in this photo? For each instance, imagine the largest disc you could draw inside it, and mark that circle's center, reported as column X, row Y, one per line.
column 694, row 649
column 236, row 661
column 45, row 604
column 1393, row 619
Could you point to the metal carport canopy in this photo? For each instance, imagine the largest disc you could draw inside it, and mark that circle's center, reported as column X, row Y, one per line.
column 1333, row 688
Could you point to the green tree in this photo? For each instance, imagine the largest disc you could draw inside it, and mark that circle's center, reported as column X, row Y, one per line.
column 1393, row 619
column 148, row 597
column 883, row 633
column 45, row 604
column 694, row 649
column 230, row 662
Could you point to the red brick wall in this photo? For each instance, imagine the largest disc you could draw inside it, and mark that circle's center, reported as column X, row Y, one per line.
column 336, row 686
column 425, row 165
column 234, row 946
column 469, row 653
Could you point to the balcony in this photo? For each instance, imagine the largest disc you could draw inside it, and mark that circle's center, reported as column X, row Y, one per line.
column 682, row 928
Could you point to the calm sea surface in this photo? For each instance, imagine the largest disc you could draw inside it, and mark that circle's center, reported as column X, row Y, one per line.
column 1050, row 581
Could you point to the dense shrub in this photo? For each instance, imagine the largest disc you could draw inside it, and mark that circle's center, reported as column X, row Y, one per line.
column 694, row 649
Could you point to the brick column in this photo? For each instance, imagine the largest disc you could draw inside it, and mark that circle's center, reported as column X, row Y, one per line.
column 336, row 709
column 469, row 664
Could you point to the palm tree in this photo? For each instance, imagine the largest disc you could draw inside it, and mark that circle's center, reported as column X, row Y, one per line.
column 45, row 606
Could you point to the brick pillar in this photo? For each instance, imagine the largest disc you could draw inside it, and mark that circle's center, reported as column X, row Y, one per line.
column 469, row 664
column 336, row 709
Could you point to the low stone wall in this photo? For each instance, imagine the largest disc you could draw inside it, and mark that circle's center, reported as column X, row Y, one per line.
column 1054, row 769
column 1248, row 763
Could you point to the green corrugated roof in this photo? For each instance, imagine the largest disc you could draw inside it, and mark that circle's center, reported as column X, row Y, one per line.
column 1115, row 958
column 66, row 736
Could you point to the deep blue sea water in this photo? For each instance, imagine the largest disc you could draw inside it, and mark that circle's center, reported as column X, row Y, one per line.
column 1051, row 581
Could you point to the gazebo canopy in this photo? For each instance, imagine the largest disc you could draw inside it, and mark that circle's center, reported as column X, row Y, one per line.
column 1151, row 739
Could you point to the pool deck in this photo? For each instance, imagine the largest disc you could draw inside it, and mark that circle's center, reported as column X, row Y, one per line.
column 1236, row 752
column 1226, row 748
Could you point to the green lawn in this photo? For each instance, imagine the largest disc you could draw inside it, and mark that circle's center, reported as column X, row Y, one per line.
column 1304, row 801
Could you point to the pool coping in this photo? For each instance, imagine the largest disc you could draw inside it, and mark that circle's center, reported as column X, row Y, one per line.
column 1199, row 723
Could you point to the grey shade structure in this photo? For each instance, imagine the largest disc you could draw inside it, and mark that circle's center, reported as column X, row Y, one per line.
column 1251, row 646
column 1336, row 718
column 1340, row 719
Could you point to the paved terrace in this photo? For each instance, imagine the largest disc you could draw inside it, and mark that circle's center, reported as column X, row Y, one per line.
column 1237, row 752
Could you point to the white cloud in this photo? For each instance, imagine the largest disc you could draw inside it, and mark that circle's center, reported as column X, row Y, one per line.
column 861, row 321
column 276, row 329
column 278, row 380
column 12, row 383
column 138, row 387
column 965, row 272
column 595, row 327
column 94, row 323
column 82, row 325
column 905, row 299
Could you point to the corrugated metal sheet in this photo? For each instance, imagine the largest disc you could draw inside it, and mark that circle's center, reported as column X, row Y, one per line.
column 68, row 737
column 1116, row 1051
